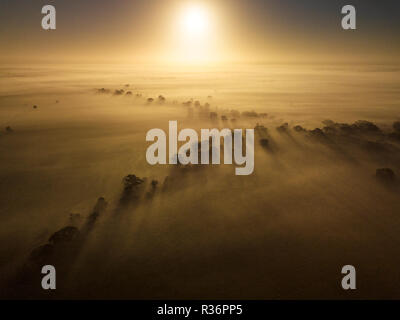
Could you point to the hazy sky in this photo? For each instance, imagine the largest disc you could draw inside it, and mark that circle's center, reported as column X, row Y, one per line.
column 157, row 30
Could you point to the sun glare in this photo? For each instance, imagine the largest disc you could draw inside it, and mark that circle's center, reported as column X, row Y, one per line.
column 195, row 20
column 194, row 36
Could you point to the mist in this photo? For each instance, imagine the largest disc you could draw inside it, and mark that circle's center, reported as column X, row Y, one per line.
column 76, row 190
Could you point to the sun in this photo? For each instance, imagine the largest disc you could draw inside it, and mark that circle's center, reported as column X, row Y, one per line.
column 195, row 20
column 194, row 36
